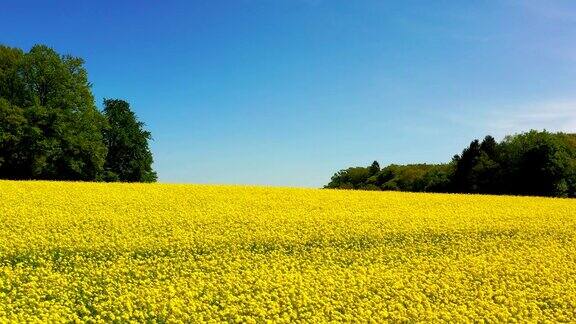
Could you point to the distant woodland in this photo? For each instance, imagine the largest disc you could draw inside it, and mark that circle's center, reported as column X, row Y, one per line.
column 536, row 163
column 50, row 127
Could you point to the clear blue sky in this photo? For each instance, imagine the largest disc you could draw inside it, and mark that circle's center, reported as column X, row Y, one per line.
column 286, row 92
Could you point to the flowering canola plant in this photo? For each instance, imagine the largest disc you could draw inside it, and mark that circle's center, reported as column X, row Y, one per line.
column 194, row 253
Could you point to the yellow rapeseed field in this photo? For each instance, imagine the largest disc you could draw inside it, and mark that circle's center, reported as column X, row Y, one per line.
column 194, row 253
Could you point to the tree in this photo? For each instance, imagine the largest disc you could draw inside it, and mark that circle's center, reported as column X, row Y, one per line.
column 532, row 163
column 13, row 125
column 129, row 157
column 540, row 163
column 374, row 168
column 486, row 171
column 354, row 177
column 51, row 128
column 462, row 180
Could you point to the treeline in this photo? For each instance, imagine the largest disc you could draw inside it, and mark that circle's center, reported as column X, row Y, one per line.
column 50, row 127
column 536, row 163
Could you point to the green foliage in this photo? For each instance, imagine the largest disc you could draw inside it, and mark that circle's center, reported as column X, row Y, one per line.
column 129, row 156
column 50, row 127
column 477, row 168
column 351, row 178
column 532, row 163
column 540, row 163
column 374, row 168
column 13, row 127
column 370, row 187
column 417, row 177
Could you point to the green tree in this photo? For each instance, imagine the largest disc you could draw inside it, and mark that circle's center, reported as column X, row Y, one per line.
column 129, row 157
column 462, row 180
column 374, row 168
column 13, row 126
column 532, row 163
column 540, row 163
column 51, row 128
column 486, row 171
column 351, row 178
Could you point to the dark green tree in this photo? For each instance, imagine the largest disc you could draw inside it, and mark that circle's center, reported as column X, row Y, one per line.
column 540, row 163
column 50, row 127
column 486, row 172
column 13, row 129
column 351, row 178
column 532, row 163
column 462, row 179
column 374, row 168
column 129, row 157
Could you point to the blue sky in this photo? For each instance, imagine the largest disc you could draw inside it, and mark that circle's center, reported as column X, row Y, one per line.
column 286, row 92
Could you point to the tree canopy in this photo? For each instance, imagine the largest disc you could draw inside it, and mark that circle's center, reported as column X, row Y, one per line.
column 50, row 127
column 531, row 163
column 129, row 157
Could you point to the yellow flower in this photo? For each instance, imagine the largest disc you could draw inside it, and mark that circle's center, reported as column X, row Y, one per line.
column 96, row 252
